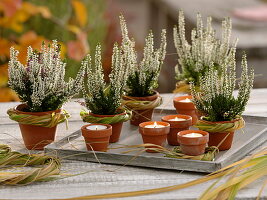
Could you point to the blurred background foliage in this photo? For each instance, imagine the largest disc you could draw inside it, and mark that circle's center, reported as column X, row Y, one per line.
column 74, row 23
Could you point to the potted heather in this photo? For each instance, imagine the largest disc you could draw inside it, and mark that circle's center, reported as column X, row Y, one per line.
column 222, row 110
column 102, row 99
column 204, row 50
column 141, row 96
column 42, row 90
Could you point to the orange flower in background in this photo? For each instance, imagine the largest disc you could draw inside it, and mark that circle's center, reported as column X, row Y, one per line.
column 9, row 7
column 31, row 22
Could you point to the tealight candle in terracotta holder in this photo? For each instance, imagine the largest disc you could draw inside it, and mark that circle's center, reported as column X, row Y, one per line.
column 193, row 142
column 185, row 106
column 177, row 123
column 154, row 133
column 96, row 136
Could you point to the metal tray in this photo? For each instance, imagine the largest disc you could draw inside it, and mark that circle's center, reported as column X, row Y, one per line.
column 73, row 147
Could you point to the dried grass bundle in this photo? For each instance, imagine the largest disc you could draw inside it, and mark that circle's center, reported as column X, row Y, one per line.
column 239, row 174
column 48, row 167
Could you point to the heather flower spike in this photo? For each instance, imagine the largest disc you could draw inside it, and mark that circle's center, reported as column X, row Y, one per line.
column 101, row 97
column 143, row 77
column 40, row 84
column 216, row 99
column 204, row 50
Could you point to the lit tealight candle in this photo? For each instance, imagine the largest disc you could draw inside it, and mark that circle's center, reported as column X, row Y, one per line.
column 177, row 119
column 192, row 135
column 155, row 125
column 186, row 100
column 96, row 127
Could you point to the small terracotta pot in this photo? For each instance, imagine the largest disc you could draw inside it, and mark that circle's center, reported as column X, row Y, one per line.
column 36, row 137
column 116, row 128
column 154, row 135
column 140, row 116
column 176, row 126
column 193, row 146
column 217, row 137
column 186, row 108
column 97, row 140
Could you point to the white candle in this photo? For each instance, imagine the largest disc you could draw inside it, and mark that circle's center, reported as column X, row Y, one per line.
column 193, row 135
column 155, row 125
column 96, row 127
column 186, row 100
column 177, row 119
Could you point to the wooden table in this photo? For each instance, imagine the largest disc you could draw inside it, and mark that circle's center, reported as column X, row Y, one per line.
column 103, row 178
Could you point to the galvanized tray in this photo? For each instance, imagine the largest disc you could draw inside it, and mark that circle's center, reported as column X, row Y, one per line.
column 73, row 147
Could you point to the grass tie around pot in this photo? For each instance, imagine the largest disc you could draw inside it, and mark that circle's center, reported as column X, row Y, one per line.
column 220, row 127
column 49, row 120
column 49, row 167
column 142, row 105
column 86, row 117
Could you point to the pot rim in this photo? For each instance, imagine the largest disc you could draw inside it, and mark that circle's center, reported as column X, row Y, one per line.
column 154, row 131
column 17, row 108
column 193, row 141
column 220, row 122
column 96, row 133
column 145, row 98
column 98, row 115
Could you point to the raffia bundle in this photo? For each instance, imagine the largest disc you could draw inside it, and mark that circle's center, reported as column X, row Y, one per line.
column 49, row 120
column 239, row 175
column 86, row 117
column 48, row 167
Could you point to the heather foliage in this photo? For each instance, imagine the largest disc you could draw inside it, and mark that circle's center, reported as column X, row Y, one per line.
column 216, row 99
column 204, row 51
column 40, row 84
column 143, row 76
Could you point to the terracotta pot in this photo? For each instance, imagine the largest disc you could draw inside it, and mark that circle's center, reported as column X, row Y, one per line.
column 97, row 140
column 176, row 126
column 36, row 137
column 116, row 128
column 140, row 116
column 154, row 135
column 186, row 108
column 193, row 146
column 226, row 139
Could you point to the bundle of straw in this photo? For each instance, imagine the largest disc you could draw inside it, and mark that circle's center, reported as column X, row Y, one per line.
column 86, row 117
column 49, row 120
column 239, row 174
column 142, row 105
column 49, row 167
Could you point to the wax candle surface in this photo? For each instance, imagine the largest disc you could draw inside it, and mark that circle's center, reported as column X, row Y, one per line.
column 155, row 125
column 177, row 119
column 186, row 100
column 96, row 127
column 193, row 135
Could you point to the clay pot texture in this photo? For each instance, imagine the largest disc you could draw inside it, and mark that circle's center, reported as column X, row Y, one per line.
column 97, row 140
column 116, row 128
column 193, row 146
column 154, row 135
column 36, row 137
column 176, row 126
column 140, row 116
column 186, row 108
column 217, row 137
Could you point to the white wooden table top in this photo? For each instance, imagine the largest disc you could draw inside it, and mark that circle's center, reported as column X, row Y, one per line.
column 99, row 180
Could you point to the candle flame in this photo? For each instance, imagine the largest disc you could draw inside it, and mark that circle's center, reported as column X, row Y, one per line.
column 155, row 124
column 176, row 118
column 96, row 128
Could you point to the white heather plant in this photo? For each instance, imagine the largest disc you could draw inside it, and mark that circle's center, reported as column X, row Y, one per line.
column 204, row 50
column 216, row 100
column 143, row 77
column 40, row 84
column 101, row 97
